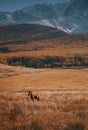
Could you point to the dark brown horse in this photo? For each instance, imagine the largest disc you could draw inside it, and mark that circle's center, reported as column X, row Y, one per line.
column 33, row 96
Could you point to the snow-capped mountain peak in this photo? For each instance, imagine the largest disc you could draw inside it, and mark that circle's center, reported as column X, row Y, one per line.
column 71, row 17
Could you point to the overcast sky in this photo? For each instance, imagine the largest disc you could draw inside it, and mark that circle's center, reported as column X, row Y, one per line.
column 11, row 5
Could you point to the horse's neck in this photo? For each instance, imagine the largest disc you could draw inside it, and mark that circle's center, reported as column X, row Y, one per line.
column 30, row 93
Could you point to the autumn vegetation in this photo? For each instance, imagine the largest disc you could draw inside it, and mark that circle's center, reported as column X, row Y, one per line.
column 63, row 93
column 41, row 47
column 56, row 110
column 47, row 61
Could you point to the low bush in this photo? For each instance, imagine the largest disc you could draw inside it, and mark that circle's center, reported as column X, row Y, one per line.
column 75, row 126
column 38, row 124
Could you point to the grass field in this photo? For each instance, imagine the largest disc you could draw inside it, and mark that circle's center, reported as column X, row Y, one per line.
column 63, row 103
column 61, row 79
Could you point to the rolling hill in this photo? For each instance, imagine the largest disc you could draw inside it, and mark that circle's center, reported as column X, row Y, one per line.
column 41, row 47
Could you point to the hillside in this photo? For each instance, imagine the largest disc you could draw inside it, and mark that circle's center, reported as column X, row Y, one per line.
column 32, row 35
column 23, row 33
column 40, row 46
column 29, row 36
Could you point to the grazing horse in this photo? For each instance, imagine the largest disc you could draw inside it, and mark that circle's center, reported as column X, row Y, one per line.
column 33, row 96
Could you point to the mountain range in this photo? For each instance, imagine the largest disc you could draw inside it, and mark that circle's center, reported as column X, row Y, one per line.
column 71, row 17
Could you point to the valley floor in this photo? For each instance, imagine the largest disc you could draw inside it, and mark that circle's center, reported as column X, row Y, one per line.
column 63, row 103
column 20, row 77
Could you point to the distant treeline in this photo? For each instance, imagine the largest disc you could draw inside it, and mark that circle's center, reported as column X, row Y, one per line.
column 47, row 61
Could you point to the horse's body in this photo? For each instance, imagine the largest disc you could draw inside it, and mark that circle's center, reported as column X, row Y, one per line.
column 33, row 96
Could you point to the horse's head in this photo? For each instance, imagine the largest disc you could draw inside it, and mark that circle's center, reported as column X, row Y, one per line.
column 29, row 93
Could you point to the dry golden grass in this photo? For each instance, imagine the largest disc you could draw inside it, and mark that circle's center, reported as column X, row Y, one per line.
column 63, row 101
column 62, row 50
column 58, row 109
column 39, row 58
column 63, row 93
column 20, row 77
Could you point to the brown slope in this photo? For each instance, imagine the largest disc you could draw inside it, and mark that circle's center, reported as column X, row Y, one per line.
column 40, row 46
column 28, row 32
column 11, row 36
column 35, row 37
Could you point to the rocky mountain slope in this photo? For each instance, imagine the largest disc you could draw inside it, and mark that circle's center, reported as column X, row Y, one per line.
column 71, row 17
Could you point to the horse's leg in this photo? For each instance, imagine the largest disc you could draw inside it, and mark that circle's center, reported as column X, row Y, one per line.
column 38, row 98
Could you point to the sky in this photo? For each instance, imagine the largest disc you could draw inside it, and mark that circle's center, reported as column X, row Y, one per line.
column 12, row 5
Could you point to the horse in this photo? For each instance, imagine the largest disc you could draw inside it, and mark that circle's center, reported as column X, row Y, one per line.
column 33, row 96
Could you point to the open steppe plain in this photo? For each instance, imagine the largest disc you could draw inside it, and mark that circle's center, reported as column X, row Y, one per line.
column 63, row 103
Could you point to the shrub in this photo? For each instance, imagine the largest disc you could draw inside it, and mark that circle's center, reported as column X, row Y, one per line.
column 4, row 50
column 75, row 126
column 38, row 124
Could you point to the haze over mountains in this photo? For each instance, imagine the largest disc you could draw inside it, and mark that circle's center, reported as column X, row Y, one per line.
column 71, row 17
